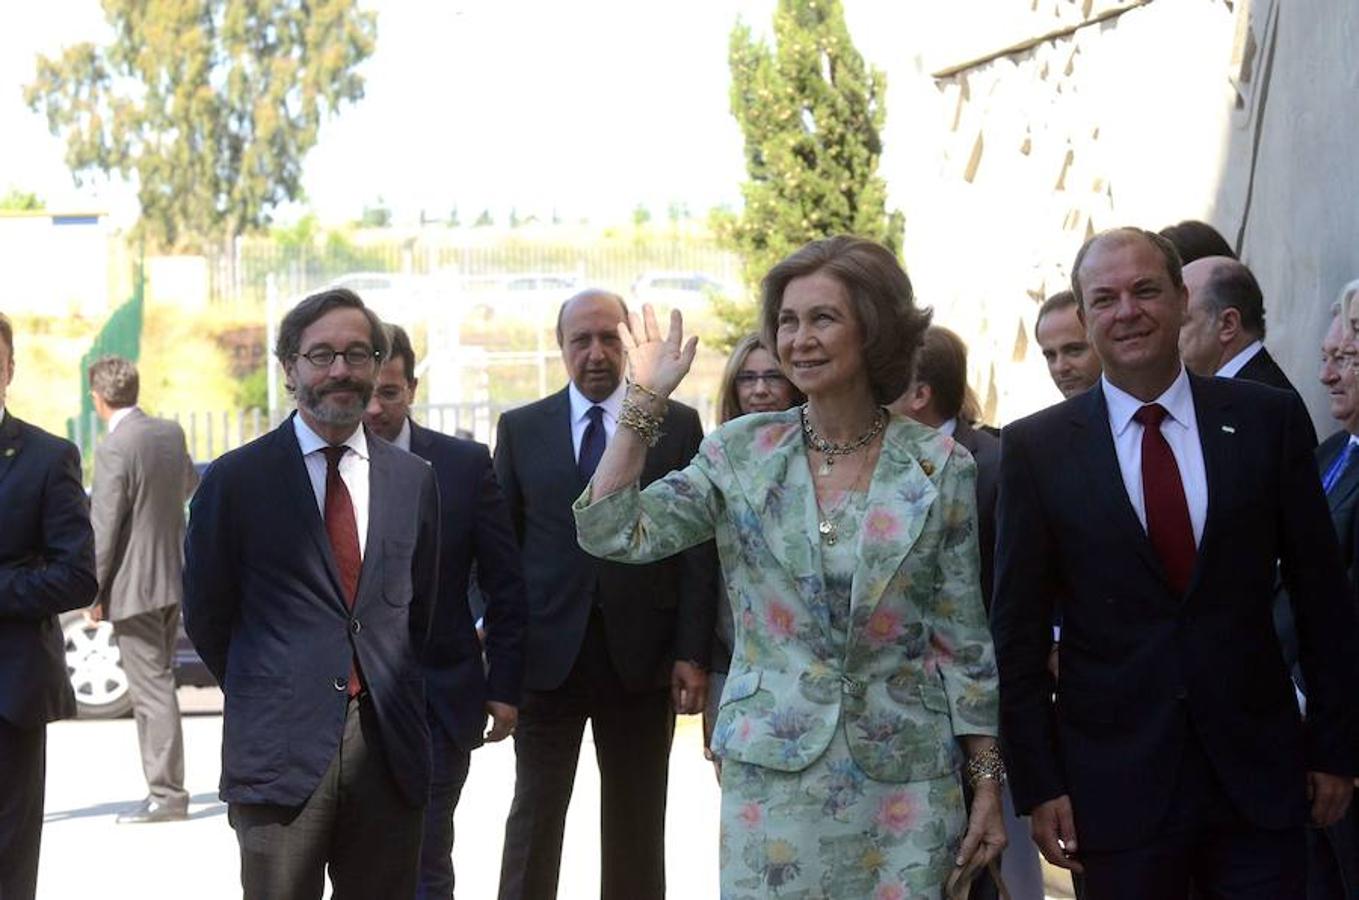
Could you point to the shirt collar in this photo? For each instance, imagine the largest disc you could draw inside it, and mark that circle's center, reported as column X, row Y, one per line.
column 403, row 437
column 310, row 442
column 118, row 415
column 580, row 404
column 1177, row 399
column 949, row 427
column 1238, row 362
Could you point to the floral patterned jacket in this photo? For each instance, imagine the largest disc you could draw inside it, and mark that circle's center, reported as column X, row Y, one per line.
column 918, row 667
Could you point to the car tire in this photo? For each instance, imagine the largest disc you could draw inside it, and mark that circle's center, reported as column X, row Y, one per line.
column 95, row 668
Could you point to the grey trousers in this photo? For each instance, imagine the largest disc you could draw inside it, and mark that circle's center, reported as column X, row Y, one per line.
column 146, row 643
column 356, row 824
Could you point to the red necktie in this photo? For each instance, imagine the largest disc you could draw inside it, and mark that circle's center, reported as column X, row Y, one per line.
column 1168, row 523
column 343, row 531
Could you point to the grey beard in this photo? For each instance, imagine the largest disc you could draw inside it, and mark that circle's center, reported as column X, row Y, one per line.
column 314, row 403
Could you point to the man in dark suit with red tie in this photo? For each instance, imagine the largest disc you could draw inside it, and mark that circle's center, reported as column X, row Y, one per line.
column 310, row 576
column 624, row 647
column 46, row 568
column 1157, row 504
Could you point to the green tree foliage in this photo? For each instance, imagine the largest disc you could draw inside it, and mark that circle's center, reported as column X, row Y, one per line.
column 20, row 201
column 378, row 215
column 812, row 114
column 210, row 104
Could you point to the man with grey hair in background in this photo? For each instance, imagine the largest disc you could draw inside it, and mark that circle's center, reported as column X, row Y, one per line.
column 142, row 479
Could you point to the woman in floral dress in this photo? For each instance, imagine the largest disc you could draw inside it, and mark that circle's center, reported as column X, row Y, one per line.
column 862, row 676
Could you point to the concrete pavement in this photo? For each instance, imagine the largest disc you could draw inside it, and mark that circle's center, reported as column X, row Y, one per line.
column 94, row 773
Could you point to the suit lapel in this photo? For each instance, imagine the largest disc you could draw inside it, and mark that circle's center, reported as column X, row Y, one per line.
column 900, row 496
column 1220, row 435
column 1093, row 446
column 297, row 485
column 1343, row 491
column 11, row 443
column 559, row 447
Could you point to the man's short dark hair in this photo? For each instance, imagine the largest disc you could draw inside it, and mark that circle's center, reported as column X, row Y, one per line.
column 115, row 380
column 1195, row 240
column 399, row 347
column 289, row 342
column 7, row 333
column 941, row 363
column 1056, row 303
column 1231, row 285
column 588, row 292
column 1162, row 245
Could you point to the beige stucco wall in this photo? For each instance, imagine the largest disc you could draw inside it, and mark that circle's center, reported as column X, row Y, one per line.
column 1004, row 165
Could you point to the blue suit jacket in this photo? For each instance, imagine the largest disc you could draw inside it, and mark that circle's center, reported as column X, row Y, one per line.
column 264, row 606
column 475, row 529
column 1142, row 667
column 46, row 567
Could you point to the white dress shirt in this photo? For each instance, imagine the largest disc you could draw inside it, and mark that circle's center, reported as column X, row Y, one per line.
column 1238, row 362
column 580, row 413
column 948, row 427
column 118, row 415
column 1181, row 431
column 353, row 471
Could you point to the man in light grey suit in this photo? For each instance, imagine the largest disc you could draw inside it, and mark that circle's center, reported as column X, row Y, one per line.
column 142, row 478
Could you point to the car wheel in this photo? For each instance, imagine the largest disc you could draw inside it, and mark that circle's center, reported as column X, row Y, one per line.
column 95, row 668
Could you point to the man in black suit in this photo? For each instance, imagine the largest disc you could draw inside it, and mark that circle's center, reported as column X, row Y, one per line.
column 309, row 582
column 475, row 532
column 1224, row 331
column 604, row 640
column 1157, row 505
column 46, row 568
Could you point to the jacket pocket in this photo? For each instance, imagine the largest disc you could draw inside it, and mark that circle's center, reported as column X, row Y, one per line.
column 255, row 720
column 739, row 687
column 934, row 698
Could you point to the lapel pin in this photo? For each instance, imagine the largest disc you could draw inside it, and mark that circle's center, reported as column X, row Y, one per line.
column 1229, row 429
column 927, row 467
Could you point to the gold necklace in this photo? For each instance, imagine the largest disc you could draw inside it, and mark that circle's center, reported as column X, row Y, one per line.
column 829, row 450
column 829, row 524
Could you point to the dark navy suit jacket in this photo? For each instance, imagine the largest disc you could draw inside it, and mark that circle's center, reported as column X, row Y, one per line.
column 653, row 614
column 264, row 606
column 1141, row 667
column 46, row 568
column 475, row 528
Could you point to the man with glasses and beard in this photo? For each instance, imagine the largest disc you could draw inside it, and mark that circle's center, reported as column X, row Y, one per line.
column 310, row 576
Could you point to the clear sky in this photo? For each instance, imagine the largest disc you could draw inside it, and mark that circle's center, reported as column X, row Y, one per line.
column 587, row 107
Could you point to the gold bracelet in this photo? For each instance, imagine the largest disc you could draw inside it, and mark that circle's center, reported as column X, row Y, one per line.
column 646, row 425
column 986, row 764
column 646, row 390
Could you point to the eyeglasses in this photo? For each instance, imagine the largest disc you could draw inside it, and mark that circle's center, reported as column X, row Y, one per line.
column 771, row 379
column 359, row 357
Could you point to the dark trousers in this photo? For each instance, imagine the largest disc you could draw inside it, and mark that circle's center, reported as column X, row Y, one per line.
column 1333, row 859
column 436, row 850
column 632, row 734
column 23, row 762
column 356, row 822
column 146, row 643
column 1205, row 849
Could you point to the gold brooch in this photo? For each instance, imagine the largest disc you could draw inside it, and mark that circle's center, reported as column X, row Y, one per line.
column 927, row 467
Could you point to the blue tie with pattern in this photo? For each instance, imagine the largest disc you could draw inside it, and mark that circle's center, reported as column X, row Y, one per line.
column 592, row 444
column 1337, row 469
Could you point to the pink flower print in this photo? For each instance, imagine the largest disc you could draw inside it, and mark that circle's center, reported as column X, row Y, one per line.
column 883, row 627
column 940, row 653
column 881, row 525
column 779, row 619
column 897, row 813
column 889, row 892
column 751, row 816
column 745, row 728
column 770, row 436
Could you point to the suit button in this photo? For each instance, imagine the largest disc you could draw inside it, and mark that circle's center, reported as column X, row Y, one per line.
column 340, row 684
column 1181, row 693
column 354, row 626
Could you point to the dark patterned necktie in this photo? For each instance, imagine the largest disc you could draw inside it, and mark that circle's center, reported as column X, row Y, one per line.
column 592, row 444
column 1168, row 524
column 343, row 531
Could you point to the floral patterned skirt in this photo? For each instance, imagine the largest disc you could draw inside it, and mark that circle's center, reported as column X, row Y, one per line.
column 830, row 832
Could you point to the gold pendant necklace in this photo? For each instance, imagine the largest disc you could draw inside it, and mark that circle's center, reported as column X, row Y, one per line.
column 829, row 450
